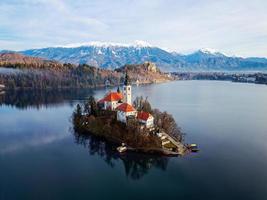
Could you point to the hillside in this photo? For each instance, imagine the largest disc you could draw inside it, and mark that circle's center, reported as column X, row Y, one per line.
column 19, row 60
column 145, row 73
column 18, row 71
column 111, row 56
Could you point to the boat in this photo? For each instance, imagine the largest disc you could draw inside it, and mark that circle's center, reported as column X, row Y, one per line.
column 193, row 147
column 122, row 148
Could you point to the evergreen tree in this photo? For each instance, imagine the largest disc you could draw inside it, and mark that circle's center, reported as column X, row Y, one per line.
column 93, row 109
column 78, row 111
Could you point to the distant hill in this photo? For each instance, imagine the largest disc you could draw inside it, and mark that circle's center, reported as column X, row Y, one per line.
column 111, row 56
column 14, row 59
column 145, row 73
column 205, row 60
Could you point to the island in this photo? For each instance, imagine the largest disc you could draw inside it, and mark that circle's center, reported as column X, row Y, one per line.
column 131, row 126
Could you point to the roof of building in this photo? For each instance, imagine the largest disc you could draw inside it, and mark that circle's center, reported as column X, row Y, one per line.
column 113, row 96
column 101, row 100
column 143, row 115
column 125, row 107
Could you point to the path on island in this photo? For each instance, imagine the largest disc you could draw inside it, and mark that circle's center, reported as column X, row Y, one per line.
column 180, row 147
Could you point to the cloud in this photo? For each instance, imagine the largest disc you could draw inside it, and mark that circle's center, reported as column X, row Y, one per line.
column 235, row 27
column 33, row 141
column 51, row 21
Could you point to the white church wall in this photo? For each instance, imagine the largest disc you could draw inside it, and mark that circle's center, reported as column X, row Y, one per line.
column 127, row 94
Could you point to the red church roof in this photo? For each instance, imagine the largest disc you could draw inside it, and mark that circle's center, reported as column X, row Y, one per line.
column 101, row 101
column 143, row 115
column 113, row 96
column 125, row 107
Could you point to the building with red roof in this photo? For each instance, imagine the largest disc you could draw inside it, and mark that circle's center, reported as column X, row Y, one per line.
column 125, row 107
column 111, row 100
column 145, row 118
column 113, row 96
column 124, row 111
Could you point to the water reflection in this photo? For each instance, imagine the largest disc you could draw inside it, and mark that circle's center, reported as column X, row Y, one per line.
column 135, row 165
column 24, row 99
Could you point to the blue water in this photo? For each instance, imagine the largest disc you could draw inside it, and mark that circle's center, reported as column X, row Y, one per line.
column 41, row 157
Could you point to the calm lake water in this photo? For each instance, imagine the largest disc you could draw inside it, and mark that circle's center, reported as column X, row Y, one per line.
column 41, row 158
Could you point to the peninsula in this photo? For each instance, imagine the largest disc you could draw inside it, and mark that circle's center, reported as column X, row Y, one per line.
column 135, row 126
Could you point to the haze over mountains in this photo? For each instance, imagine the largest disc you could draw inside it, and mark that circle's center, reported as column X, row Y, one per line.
column 114, row 55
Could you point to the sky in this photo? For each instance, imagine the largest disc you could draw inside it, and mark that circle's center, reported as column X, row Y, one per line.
column 234, row 27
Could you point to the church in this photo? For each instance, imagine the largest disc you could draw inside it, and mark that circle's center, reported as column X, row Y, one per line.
column 122, row 104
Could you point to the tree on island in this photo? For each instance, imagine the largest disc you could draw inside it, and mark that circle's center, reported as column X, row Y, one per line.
column 90, row 107
column 162, row 120
column 142, row 104
column 165, row 121
column 77, row 118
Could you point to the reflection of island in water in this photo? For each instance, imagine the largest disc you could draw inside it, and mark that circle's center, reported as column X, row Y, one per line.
column 23, row 99
column 136, row 165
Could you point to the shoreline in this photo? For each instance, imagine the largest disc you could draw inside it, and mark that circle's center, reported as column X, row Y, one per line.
column 91, row 87
column 118, row 134
column 241, row 77
column 153, row 151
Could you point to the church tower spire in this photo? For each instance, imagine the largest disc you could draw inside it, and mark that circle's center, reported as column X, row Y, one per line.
column 118, row 89
column 126, row 80
column 127, row 90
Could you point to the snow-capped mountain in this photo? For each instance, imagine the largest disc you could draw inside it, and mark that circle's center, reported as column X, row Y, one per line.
column 105, row 55
column 136, row 43
column 114, row 55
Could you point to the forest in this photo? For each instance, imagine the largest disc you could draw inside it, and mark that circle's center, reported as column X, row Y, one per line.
column 24, row 76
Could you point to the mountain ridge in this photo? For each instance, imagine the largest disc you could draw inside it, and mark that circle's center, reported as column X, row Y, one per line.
column 115, row 55
column 136, row 43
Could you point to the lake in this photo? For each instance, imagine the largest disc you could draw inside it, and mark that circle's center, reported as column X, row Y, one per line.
column 41, row 157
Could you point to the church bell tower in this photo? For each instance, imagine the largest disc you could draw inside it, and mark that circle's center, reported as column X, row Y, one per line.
column 127, row 90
